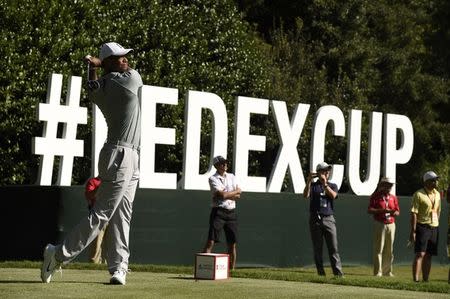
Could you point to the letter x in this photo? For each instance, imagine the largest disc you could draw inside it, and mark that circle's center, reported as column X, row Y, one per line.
column 289, row 135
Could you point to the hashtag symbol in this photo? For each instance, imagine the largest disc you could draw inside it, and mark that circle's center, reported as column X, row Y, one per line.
column 49, row 145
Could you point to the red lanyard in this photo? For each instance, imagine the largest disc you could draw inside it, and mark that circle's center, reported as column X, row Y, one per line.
column 432, row 201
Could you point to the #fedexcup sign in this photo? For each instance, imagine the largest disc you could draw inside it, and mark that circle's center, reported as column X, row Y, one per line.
column 384, row 131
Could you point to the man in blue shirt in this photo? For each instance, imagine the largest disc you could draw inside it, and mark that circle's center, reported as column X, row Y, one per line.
column 322, row 224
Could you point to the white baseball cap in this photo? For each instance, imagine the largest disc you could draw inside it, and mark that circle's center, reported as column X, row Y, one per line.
column 112, row 49
column 323, row 166
column 219, row 159
column 430, row 175
column 387, row 180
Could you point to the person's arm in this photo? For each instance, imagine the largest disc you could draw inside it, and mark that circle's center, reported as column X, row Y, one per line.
column 327, row 188
column 371, row 209
column 413, row 223
column 218, row 189
column 396, row 211
column 94, row 64
column 229, row 194
column 307, row 189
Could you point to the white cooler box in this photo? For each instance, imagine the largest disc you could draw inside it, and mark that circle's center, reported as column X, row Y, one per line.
column 212, row 266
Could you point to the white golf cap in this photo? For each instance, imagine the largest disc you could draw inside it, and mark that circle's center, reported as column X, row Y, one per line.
column 112, row 49
column 430, row 175
column 323, row 166
column 219, row 159
column 387, row 180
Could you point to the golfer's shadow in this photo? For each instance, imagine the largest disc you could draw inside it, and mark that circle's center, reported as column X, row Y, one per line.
column 40, row 282
column 19, row 281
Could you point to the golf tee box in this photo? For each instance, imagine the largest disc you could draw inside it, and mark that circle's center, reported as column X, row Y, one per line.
column 213, row 266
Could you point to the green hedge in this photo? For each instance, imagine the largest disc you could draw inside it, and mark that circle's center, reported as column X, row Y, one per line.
column 189, row 45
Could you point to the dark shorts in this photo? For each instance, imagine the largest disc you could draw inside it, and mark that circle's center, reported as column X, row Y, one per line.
column 223, row 219
column 427, row 238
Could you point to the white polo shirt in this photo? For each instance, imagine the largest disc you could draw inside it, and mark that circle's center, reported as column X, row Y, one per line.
column 227, row 183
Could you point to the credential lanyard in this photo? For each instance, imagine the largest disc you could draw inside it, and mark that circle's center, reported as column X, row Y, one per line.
column 432, row 201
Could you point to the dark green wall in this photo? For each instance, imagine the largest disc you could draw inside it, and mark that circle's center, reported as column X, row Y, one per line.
column 169, row 227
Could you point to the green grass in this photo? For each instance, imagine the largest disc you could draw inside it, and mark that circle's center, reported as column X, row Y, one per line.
column 81, row 280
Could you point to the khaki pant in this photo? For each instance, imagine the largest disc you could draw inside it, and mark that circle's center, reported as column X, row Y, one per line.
column 95, row 252
column 383, row 245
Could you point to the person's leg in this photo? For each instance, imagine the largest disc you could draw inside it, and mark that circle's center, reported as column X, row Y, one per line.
column 432, row 249
column 115, row 180
column 216, row 224
column 330, row 234
column 95, row 254
column 417, row 265
column 231, row 234
column 423, row 234
column 378, row 244
column 426, row 266
column 81, row 236
column 118, row 232
column 449, row 275
column 388, row 255
column 208, row 246
column 233, row 255
column 317, row 242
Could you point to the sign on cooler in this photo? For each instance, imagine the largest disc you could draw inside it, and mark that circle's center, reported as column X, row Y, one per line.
column 212, row 266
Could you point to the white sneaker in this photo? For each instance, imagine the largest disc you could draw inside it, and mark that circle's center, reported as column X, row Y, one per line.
column 50, row 264
column 119, row 277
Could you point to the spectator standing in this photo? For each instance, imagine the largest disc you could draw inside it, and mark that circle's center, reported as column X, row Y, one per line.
column 425, row 212
column 322, row 223
column 225, row 191
column 383, row 205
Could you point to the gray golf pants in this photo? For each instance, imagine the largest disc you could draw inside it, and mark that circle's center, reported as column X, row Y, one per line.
column 325, row 228
column 119, row 170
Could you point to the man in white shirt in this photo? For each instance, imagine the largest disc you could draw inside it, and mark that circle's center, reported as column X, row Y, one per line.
column 225, row 192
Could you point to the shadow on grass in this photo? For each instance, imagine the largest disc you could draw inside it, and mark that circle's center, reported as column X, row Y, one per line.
column 18, row 281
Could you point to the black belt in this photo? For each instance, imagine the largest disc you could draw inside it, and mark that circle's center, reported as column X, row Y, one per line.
column 320, row 214
column 225, row 210
column 124, row 144
column 426, row 225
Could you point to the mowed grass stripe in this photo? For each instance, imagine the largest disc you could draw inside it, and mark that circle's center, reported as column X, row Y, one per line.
column 79, row 283
column 74, row 283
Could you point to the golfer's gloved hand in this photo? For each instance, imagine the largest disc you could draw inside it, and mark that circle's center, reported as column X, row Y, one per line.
column 93, row 85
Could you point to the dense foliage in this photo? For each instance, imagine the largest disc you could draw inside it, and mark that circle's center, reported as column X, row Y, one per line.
column 387, row 56
column 197, row 45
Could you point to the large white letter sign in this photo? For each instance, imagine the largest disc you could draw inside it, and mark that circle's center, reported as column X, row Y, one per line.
column 323, row 116
column 151, row 135
column 68, row 146
column 195, row 102
column 99, row 135
column 244, row 142
column 392, row 155
column 289, row 135
column 354, row 152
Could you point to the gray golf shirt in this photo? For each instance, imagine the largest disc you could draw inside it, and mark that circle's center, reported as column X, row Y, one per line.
column 117, row 98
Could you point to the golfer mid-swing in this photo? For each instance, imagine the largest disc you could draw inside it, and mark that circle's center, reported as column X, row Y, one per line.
column 116, row 94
